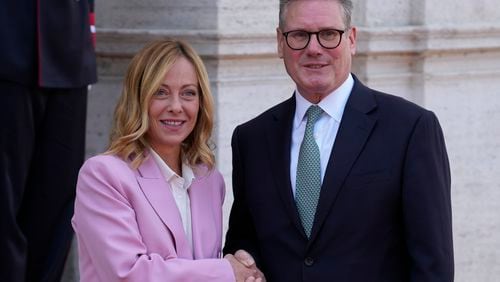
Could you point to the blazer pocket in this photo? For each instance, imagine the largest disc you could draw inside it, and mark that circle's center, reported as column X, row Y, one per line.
column 360, row 180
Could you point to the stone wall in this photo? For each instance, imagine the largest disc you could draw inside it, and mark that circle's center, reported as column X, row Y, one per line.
column 443, row 55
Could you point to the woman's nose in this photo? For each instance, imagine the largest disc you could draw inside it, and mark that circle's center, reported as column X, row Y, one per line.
column 174, row 104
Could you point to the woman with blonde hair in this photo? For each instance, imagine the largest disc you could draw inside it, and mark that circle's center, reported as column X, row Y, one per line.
column 150, row 207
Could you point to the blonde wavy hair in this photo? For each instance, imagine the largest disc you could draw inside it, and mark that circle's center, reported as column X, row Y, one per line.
column 144, row 76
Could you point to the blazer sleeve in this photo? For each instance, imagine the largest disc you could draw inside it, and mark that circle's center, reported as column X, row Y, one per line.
column 241, row 233
column 108, row 233
column 427, row 203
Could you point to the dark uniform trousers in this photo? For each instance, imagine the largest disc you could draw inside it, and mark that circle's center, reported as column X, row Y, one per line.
column 47, row 60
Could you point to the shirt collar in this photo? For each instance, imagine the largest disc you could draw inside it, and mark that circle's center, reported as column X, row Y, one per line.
column 333, row 104
column 169, row 174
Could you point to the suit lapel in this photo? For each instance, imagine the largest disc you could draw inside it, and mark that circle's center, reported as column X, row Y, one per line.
column 279, row 132
column 159, row 195
column 354, row 131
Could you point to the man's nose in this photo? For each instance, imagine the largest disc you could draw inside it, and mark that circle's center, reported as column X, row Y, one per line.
column 314, row 47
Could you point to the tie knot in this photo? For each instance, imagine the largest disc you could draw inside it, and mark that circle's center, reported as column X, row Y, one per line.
column 313, row 113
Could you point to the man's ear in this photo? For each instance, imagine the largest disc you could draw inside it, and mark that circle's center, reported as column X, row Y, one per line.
column 280, row 39
column 352, row 40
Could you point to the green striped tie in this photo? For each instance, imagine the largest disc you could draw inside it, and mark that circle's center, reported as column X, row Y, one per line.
column 308, row 183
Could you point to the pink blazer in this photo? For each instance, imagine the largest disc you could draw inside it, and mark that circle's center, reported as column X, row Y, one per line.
column 128, row 226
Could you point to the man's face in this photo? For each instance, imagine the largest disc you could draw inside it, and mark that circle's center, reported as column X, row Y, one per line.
column 317, row 71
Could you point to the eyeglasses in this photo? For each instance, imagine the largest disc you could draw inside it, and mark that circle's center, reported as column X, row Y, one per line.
column 327, row 38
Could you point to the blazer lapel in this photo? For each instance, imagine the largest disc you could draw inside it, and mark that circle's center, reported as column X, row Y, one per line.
column 202, row 216
column 354, row 131
column 279, row 132
column 159, row 195
column 198, row 219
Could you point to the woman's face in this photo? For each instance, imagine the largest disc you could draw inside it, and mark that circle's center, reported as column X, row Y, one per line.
column 173, row 109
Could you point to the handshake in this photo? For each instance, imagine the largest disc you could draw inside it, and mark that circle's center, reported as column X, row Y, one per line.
column 244, row 267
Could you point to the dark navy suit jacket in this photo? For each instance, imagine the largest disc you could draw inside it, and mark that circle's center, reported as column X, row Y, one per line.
column 384, row 212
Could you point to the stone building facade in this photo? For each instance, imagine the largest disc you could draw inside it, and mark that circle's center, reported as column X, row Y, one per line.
column 443, row 55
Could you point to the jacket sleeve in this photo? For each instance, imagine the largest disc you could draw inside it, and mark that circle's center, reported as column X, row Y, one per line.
column 427, row 203
column 109, row 238
column 241, row 233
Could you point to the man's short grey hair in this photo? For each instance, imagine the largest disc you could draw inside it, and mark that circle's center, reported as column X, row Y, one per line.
column 345, row 4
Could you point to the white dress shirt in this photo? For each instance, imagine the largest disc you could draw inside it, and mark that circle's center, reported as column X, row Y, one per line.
column 325, row 129
column 180, row 186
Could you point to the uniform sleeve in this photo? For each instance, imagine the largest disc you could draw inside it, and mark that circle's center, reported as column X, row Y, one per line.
column 92, row 22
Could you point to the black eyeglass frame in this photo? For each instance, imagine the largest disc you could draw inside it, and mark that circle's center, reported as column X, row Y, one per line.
column 309, row 33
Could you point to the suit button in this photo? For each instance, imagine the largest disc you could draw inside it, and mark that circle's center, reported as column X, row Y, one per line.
column 309, row 261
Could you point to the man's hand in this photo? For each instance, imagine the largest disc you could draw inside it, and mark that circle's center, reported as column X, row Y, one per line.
column 241, row 272
column 246, row 260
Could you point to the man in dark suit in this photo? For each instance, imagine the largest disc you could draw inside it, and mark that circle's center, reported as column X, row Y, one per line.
column 47, row 61
column 360, row 194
